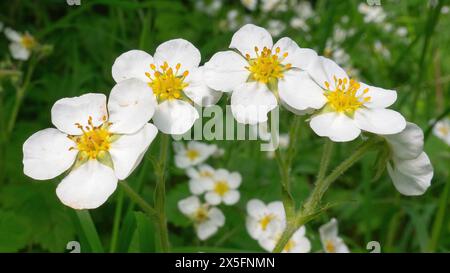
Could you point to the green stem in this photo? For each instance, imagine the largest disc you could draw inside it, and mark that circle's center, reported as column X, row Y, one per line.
column 310, row 208
column 326, row 157
column 136, row 198
column 89, row 230
column 160, row 195
column 116, row 223
column 439, row 219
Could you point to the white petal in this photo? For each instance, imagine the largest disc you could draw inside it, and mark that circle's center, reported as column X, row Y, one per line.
column 380, row 121
column 324, row 70
column 175, row 117
column 19, row 52
column 250, row 103
column 213, row 198
column 178, row 51
column 132, row 64
column 300, row 92
column 128, row 150
column 225, row 71
column 68, row 111
column 338, row 127
column 379, row 97
column 277, row 208
column 255, row 208
column 234, row 180
column 250, row 36
column 196, row 186
column 329, row 231
column 88, row 186
column 131, row 105
column 340, row 246
column 231, row 197
column 46, row 154
column 12, row 35
column 189, row 205
column 412, row 177
column 298, row 57
column 216, row 216
column 198, row 91
column 408, row 144
column 206, row 230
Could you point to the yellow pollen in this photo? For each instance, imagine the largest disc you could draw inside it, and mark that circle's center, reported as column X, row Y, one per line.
column 267, row 65
column 221, row 187
column 28, row 41
column 289, row 246
column 201, row 214
column 205, row 174
column 329, row 247
column 264, row 222
column 192, row 154
column 344, row 99
column 444, row 130
column 166, row 83
column 93, row 141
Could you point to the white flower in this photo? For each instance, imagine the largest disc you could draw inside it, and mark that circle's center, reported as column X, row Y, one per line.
column 410, row 168
column 331, row 242
column 298, row 243
column 222, row 188
column 381, row 49
column 21, row 44
column 273, row 5
column 192, row 154
column 98, row 144
column 299, row 23
column 250, row 4
column 207, row 219
column 210, row 8
column 264, row 220
column 304, row 10
column 275, row 27
column 175, row 78
column 402, row 31
column 372, row 14
column 199, row 177
column 351, row 106
column 442, row 130
column 218, row 153
column 445, row 9
column 261, row 73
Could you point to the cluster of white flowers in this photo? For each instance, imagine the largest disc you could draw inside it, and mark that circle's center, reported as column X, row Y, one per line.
column 216, row 185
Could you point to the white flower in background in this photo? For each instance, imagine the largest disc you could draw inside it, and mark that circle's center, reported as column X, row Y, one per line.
column 260, row 131
column 372, row 14
column 218, row 153
column 445, row 10
column 207, row 220
column 336, row 53
column 174, row 77
column 351, row 106
column 409, row 168
column 250, row 4
column 402, row 31
column 192, row 154
column 98, row 144
column 222, row 188
column 21, row 45
column 199, row 177
column 210, row 7
column 304, row 10
column 273, row 5
column 331, row 242
column 299, row 23
column 381, row 49
column 261, row 73
column 275, row 27
column 297, row 244
column 442, row 130
column 264, row 220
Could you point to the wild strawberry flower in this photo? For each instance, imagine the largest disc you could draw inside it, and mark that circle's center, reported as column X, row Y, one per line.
column 22, row 44
column 222, row 187
column 207, row 219
column 409, row 168
column 174, row 77
column 331, row 242
column 199, row 176
column 351, row 106
column 192, row 154
column 298, row 243
column 263, row 220
column 442, row 130
column 98, row 144
column 259, row 73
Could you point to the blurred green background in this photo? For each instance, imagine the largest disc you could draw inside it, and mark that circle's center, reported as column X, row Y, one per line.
column 406, row 50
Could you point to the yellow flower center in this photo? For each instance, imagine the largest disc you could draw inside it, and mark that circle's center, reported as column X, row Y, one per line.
column 94, row 142
column 344, row 99
column 267, row 66
column 201, row 214
column 221, row 187
column 167, row 84
column 329, row 247
column 265, row 221
column 445, row 130
column 205, row 174
column 289, row 246
column 28, row 41
column 192, row 154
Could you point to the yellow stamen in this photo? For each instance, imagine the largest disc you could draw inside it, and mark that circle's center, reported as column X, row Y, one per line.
column 192, row 154
column 221, row 187
column 289, row 246
column 265, row 221
column 267, row 65
column 167, row 84
column 201, row 214
column 344, row 99
column 329, row 247
column 28, row 41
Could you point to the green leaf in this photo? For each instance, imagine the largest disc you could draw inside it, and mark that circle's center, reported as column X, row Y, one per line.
column 146, row 232
column 89, row 230
column 13, row 232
